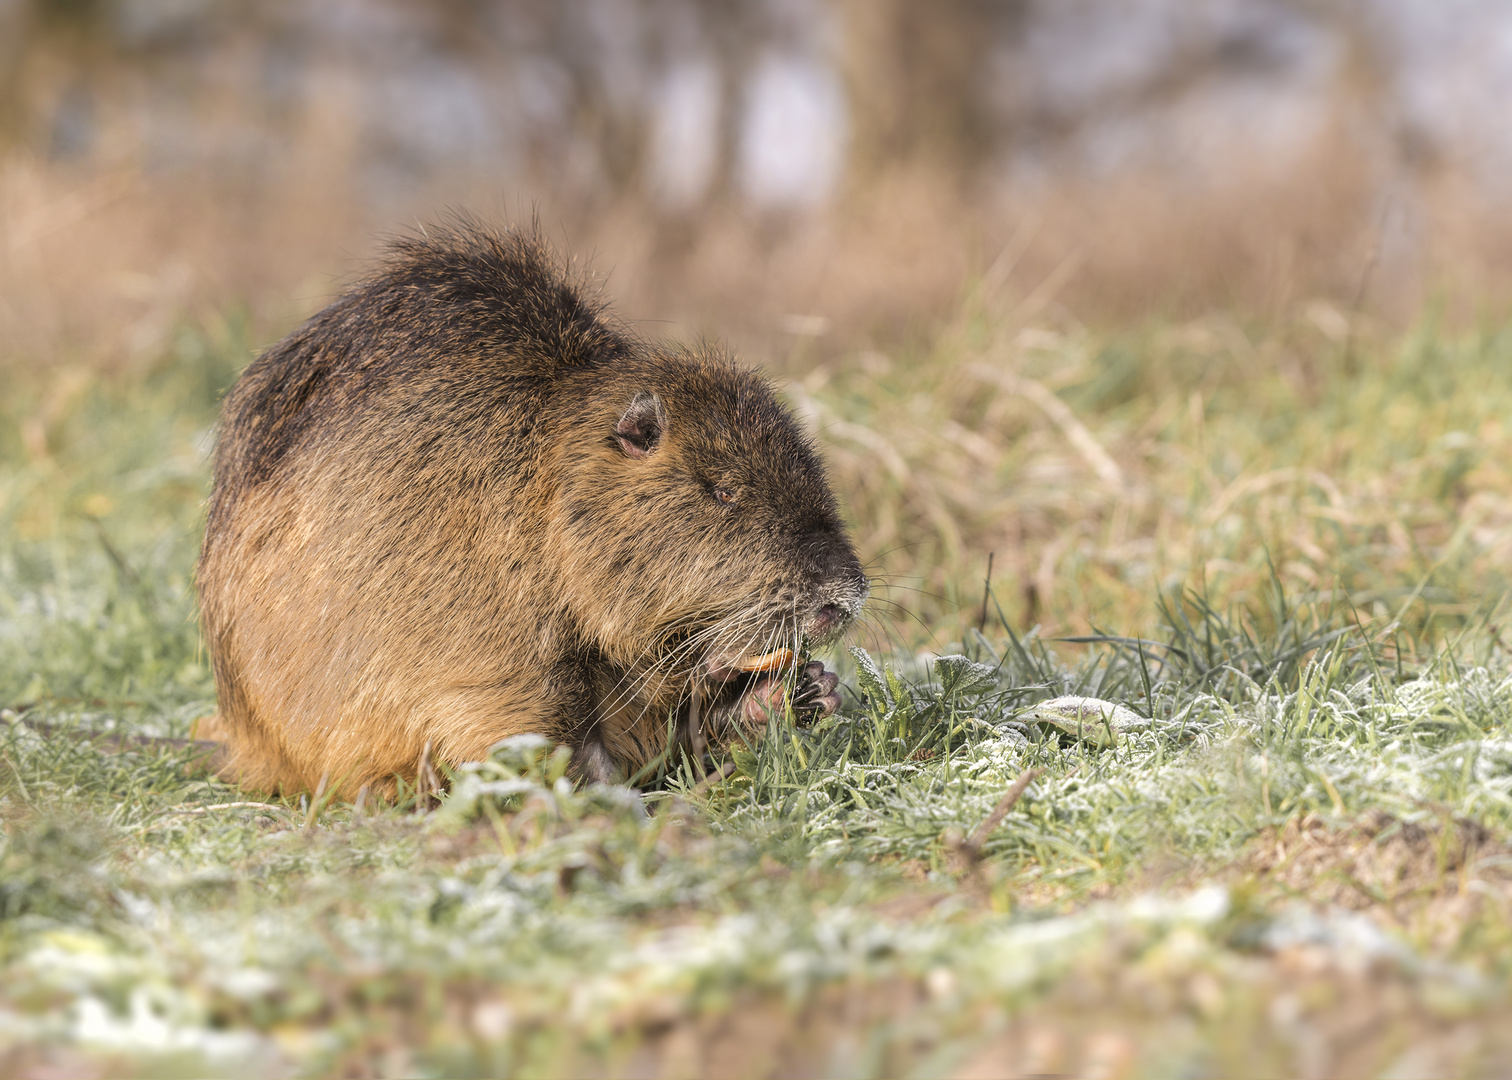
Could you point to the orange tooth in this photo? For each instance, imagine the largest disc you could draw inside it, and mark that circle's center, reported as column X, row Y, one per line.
column 772, row 661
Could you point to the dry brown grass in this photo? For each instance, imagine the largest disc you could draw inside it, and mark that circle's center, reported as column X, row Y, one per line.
column 1144, row 382
column 98, row 260
column 1437, row 884
column 1200, row 454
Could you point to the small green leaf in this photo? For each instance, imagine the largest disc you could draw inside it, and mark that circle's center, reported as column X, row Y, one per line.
column 962, row 675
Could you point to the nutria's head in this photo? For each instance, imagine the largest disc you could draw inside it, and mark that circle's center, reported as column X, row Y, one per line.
column 698, row 520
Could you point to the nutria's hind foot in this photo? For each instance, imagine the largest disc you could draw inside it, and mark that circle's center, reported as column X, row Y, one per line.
column 592, row 764
column 249, row 763
column 207, row 739
column 815, row 696
column 208, row 729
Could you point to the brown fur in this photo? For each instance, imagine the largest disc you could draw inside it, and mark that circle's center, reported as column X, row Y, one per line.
column 460, row 504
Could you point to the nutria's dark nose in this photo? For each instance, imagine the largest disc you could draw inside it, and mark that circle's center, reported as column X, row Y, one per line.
column 842, row 603
column 840, row 585
column 830, row 616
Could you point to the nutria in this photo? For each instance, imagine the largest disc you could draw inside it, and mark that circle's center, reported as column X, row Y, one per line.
column 463, row 502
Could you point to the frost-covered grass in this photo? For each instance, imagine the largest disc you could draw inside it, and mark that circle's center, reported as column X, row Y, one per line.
column 525, row 927
column 1292, row 858
column 1201, row 772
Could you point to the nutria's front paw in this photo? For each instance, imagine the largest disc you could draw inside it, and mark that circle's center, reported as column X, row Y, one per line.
column 816, row 695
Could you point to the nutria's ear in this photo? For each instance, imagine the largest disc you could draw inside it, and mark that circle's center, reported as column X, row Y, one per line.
column 639, row 431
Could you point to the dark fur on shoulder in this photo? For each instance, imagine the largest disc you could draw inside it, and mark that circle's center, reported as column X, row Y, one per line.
column 462, row 503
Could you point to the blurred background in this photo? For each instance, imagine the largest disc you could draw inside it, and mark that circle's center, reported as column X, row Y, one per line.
column 756, row 169
column 1174, row 319
column 1137, row 295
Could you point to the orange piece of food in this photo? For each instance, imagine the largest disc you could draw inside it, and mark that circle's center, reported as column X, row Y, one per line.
column 772, row 661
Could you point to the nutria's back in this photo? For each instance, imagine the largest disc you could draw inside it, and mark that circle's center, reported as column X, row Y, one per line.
column 461, row 503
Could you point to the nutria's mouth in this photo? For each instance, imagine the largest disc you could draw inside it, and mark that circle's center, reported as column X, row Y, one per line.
column 833, row 611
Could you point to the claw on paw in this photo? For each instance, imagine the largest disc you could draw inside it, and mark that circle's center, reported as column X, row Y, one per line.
column 817, row 695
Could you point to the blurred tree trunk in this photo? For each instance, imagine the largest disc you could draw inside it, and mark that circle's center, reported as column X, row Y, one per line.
column 736, row 32
column 1365, row 83
column 915, row 77
column 51, row 55
column 608, row 120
